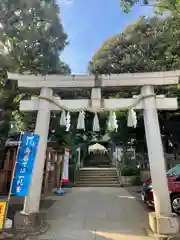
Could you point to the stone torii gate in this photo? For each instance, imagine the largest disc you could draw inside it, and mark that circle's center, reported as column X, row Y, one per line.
column 162, row 221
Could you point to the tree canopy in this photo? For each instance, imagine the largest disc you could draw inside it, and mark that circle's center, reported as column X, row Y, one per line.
column 150, row 44
column 31, row 41
column 160, row 6
column 32, row 36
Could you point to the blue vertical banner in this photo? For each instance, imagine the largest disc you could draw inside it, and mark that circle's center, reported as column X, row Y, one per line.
column 24, row 164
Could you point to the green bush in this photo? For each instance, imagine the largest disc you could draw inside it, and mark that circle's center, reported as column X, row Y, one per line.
column 129, row 171
column 136, row 181
column 71, row 172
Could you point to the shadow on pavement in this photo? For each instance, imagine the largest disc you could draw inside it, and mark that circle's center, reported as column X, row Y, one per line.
column 135, row 191
column 13, row 208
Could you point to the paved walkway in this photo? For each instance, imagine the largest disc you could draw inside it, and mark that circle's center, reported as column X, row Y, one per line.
column 97, row 213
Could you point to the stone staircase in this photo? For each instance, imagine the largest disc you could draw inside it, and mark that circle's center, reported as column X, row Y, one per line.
column 97, row 177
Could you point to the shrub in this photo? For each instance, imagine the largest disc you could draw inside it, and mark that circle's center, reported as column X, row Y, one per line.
column 129, row 171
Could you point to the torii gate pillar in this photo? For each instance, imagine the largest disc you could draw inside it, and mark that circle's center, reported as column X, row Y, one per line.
column 161, row 221
column 155, row 153
column 31, row 203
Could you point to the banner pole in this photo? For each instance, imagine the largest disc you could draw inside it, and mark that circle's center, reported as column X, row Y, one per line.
column 60, row 190
column 61, row 174
column 60, row 186
column 61, row 182
column 65, row 177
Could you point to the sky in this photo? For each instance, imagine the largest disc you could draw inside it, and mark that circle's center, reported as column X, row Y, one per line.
column 88, row 24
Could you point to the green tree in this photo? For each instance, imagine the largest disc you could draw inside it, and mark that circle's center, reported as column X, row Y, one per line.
column 32, row 35
column 150, row 44
column 31, row 41
column 160, row 6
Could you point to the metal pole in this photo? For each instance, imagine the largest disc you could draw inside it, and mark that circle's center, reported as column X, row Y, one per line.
column 60, row 185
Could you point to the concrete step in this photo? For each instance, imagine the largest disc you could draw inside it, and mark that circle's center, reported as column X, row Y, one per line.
column 98, row 169
column 98, row 172
column 98, row 177
column 98, row 185
column 94, row 183
column 96, row 180
column 89, row 171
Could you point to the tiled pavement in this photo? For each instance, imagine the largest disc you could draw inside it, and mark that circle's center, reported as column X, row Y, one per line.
column 96, row 213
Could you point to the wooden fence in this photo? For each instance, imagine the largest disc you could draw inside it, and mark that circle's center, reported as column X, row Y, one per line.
column 51, row 169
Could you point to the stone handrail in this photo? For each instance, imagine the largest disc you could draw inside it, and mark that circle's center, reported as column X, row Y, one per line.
column 118, row 167
column 170, row 160
column 76, row 171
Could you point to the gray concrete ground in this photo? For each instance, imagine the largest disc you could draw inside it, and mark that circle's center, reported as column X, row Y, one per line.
column 96, row 213
column 16, row 204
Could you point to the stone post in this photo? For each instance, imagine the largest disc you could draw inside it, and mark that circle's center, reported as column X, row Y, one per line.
column 31, row 204
column 161, row 221
column 30, row 219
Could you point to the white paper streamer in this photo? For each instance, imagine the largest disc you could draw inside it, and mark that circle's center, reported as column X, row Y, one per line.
column 63, row 118
column 96, row 127
column 132, row 119
column 112, row 122
column 81, row 121
column 109, row 124
column 68, row 121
